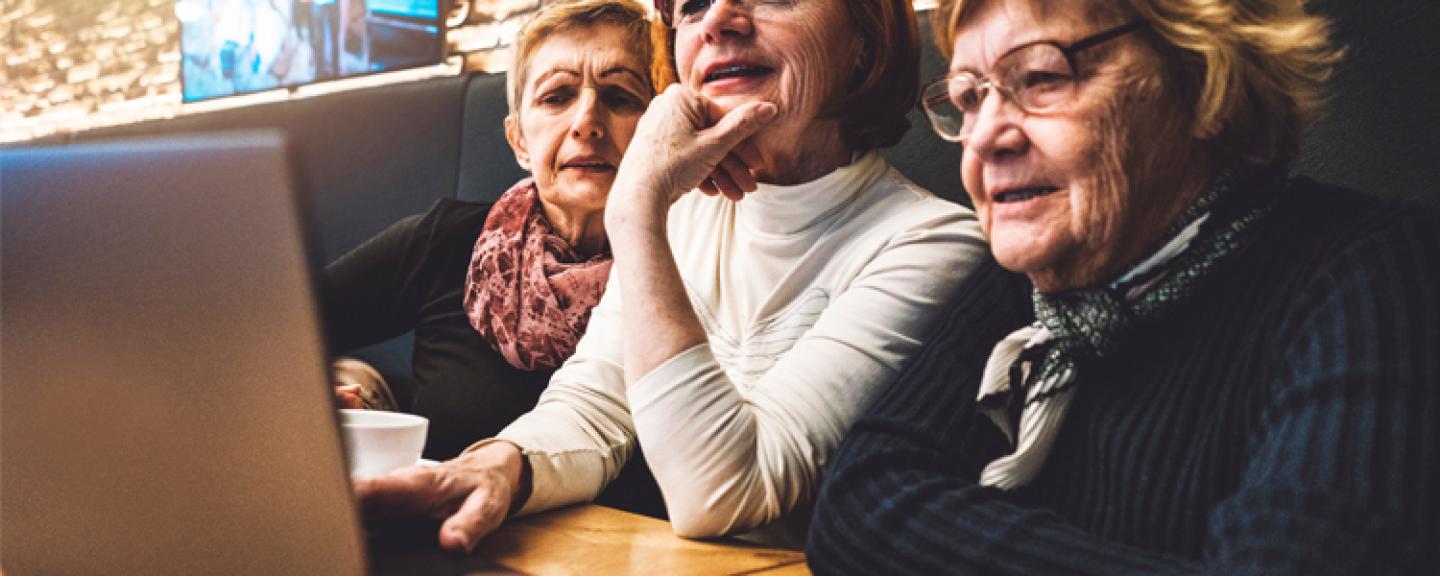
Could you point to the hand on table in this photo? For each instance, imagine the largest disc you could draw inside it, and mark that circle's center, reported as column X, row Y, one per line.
column 472, row 493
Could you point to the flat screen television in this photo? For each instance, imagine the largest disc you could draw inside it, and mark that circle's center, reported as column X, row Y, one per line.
column 240, row 46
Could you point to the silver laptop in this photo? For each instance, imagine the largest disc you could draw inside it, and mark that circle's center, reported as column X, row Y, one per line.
column 164, row 406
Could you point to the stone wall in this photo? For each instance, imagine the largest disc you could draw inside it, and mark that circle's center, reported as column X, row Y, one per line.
column 67, row 61
column 75, row 64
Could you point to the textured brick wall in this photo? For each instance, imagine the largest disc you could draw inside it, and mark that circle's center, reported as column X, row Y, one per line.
column 74, row 64
column 68, row 62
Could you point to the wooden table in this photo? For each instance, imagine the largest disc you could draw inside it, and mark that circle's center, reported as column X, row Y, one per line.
column 593, row 539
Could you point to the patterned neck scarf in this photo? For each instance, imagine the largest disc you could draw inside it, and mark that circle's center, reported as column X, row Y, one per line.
column 528, row 293
column 1041, row 359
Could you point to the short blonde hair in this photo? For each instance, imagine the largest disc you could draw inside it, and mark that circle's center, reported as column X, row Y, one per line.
column 1254, row 70
column 562, row 15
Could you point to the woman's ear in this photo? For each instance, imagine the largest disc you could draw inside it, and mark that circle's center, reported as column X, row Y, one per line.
column 517, row 142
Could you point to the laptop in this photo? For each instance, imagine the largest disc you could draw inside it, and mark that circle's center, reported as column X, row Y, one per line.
column 164, row 401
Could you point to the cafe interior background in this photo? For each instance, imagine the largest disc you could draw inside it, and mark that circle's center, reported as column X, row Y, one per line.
column 72, row 65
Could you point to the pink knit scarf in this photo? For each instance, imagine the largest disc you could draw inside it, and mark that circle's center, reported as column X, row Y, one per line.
column 528, row 292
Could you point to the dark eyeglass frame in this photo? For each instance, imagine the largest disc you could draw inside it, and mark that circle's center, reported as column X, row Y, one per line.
column 675, row 22
column 984, row 84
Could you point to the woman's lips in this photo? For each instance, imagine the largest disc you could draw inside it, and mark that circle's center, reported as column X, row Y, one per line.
column 1023, row 194
column 735, row 77
column 1021, row 202
column 588, row 166
column 723, row 72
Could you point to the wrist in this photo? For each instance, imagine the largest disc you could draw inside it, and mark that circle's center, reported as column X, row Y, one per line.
column 506, row 459
column 522, row 477
column 630, row 217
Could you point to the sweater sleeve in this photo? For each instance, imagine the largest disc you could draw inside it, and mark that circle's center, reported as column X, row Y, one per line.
column 1340, row 471
column 364, row 295
column 380, row 289
column 728, row 459
column 1343, row 471
column 579, row 435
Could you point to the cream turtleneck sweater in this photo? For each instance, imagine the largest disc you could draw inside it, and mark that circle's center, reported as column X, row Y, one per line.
column 812, row 296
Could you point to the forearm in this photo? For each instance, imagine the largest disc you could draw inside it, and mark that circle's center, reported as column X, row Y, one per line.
column 707, row 450
column 656, row 310
column 734, row 456
column 357, row 308
column 576, row 439
column 894, row 505
column 900, row 495
column 364, row 295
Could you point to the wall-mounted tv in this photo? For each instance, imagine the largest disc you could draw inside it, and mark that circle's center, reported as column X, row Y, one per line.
column 241, row 46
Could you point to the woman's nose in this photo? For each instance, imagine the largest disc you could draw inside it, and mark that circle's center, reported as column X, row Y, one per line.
column 996, row 132
column 588, row 123
column 726, row 19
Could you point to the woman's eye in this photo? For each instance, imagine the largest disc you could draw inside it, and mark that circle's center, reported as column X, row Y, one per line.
column 692, row 7
column 1043, row 79
column 623, row 100
column 969, row 99
column 553, row 97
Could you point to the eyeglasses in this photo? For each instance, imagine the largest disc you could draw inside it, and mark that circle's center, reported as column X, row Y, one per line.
column 689, row 12
column 1038, row 77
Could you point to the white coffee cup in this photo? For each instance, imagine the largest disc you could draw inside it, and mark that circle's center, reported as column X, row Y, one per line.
column 378, row 442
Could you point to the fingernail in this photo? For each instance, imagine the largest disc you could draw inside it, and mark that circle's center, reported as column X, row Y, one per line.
column 460, row 536
column 766, row 112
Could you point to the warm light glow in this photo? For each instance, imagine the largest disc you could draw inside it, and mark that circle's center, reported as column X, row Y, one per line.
column 189, row 10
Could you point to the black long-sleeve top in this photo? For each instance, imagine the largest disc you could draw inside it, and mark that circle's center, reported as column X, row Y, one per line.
column 1284, row 420
column 412, row 277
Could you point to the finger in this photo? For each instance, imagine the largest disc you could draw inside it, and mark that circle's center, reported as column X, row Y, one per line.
column 708, row 187
column 737, row 172
column 727, row 185
column 348, row 396
column 740, row 123
column 409, row 491
column 679, row 105
column 483, row 511
column 748, row 154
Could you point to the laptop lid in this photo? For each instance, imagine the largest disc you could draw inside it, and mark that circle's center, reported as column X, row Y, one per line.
column 164, row 405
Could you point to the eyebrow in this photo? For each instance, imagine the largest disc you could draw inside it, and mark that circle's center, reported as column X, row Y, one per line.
column 963, row 68
column 623, row 69
column 618, row 69
column 1032, row 38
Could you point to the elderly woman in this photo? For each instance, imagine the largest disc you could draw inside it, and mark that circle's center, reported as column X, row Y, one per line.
column 752, row 322
column 1230, row 372
column 499, row 295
